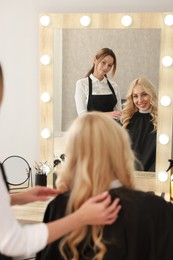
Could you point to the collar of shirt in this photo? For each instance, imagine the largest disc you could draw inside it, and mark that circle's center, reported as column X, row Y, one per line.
column 94, row 79
column 145, row 112
column 115, row 184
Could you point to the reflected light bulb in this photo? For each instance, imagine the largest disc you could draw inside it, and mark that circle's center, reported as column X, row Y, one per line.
column 126, row 20
column 165, row 101
column 162, row 176
column 45, row 97
column 45, row 20
column 168, row 20
column 163, row 138
column 45, row 59
column 167, row 61
column 85, row 20
column 46, row 133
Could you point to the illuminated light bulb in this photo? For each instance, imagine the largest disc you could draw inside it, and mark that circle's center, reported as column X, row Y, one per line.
column 85, row 20
column 45, row 97
column 45, row 20
column 163, row 138
column 165, row 101
column 45, row 59
column 162, row 176
column 167, row 61
column 168, row 20
column 46, row 133
column 126, row 20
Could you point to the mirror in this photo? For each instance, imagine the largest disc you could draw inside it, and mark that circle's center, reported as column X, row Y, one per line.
column 142, row 21
column 78, row 48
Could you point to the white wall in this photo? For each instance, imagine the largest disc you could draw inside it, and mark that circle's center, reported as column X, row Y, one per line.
column 19, row 55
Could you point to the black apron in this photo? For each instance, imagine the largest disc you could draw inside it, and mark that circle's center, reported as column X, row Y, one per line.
column 102, row 103
column 3, row 257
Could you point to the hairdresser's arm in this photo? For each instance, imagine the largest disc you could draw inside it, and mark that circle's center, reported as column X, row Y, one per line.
column 17, row 240
column 95, row 211
column 80, row 98
column 38, row 193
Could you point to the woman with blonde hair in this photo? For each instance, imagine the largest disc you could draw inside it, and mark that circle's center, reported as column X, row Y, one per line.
column 139, row 117
column 99, row 157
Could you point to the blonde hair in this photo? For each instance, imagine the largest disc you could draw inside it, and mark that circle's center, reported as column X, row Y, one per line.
column 129, row 107
column 97, row 152
column 100, row 55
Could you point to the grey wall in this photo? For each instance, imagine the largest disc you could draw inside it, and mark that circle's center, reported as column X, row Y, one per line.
column 19, row 55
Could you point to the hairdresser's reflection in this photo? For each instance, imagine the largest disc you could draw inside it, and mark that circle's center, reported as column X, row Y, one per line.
column 95, row 92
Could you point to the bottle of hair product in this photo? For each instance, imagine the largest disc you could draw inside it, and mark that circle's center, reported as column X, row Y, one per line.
column 171, row 187
column 171, row 178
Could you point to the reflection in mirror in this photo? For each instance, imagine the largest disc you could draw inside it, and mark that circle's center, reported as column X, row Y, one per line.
column 107, row 21
column 137, row 52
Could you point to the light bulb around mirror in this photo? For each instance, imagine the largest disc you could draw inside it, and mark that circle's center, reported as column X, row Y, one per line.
column 163, row 138
column 45, row 59
column 168, row 20
column 126, row 20
column 165, row 101
column 85, row 20
column 46, row 133
column 162, row 176
column 45, row 20
column 45, row 97
column 167, row 61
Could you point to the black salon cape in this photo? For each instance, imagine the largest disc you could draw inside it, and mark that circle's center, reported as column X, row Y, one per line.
column 143, row 230
column 143, row 140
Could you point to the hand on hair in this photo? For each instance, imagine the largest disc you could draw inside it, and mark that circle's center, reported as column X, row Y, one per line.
column 99, row 210
column 115, row 114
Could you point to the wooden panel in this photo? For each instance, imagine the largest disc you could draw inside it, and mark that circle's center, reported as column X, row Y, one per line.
column 112, row 20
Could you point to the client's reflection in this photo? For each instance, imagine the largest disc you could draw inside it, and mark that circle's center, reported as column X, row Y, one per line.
column 140, row 118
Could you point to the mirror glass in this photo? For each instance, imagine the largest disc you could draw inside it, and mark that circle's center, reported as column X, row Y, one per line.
column 137, row 52
column 139, row 49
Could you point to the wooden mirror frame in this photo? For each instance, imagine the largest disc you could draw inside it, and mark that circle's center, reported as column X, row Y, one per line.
column 110, row 21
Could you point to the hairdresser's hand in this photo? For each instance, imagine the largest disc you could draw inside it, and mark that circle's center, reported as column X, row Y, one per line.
column 115, row 114
column 38, row 193
column 99, row 210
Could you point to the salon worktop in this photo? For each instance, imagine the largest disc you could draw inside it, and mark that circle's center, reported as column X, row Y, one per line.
column 33, row 212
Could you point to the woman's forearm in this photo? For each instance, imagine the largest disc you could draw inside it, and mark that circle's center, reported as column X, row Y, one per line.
column 59, row 228
column 16, row 199
column 37, row 193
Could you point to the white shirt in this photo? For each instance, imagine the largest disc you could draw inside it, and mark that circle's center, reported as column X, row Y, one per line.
column 98, row 88
column 115, row 184
column 15, row 239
